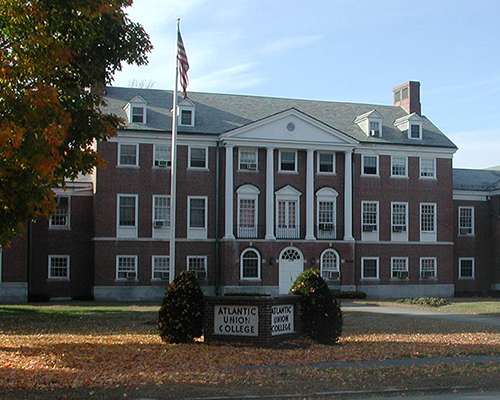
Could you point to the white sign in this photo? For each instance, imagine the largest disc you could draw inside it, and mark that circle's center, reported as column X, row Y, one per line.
column 236, row 320
column 282, row 319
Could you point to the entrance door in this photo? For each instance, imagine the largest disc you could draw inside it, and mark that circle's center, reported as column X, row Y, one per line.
column 291, row 266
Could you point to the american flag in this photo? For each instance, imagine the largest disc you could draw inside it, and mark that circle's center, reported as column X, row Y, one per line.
column 183, row 64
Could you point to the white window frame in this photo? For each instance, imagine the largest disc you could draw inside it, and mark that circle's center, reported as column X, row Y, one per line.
column 246, row 165
column 410, row 133
column 394, row 166
column 67, row 215
column 120, row 164
column 205, row 265
column 399, row 272
column 162, row 162
column 161, row 227
column 428, row 235
column 366, row 234
column 181, row 113
column 248, row 193
column 330, row 273
column 363, row 172
column 399, row 231
column 424, row 172
column 434, row 261
column 327, row 153
column 296, row 167
column 190, row 166
column 242, row 267
column 465, row 230
column 195, row 232
column 127, row 231
column 142, row 114
column 363, row 260
column 159, row 273
column 326, row 229
column 460, row 261
column 286, row 230
column 374, row 128
column 51, row 267
column 129, row 275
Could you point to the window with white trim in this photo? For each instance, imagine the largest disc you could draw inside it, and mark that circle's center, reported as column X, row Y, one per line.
column 287, row 214
column 60, row 218
column 162, row 156
column 375, row 128
column 399, row 268
column 369, row 165
column 197, row 217
column 330, row 265
column 247, row 159
column 198, row 265
column 250, row 264
column 126, row 268
column 399, row 221
column 326, row 163
column 160, row 268
column 428, row 168
column 287, row 161
column 466, row 268
column 369, row 268
column 138, row 114
column 428, row 222
column 369, row 220
column 326, row 207
column 128, row 155
column 415, row 131
column 59, row 267
column 398, row 166
column 247, row 211
column 161, row 212
column 428, row 268
column 198, row 157
column 127, row 215
column 466, row 221
column 186, row 117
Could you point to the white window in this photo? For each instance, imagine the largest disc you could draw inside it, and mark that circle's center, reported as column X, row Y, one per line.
column 428, row 268
column 128, row 155
column 428, row 168
column 466, row 268
column 369, row 268
column 247, row 211
column 326, row 213
column 186, row 117
column 287, row 215
column 163, row 157
column 369, row 220
column 370, row 165
column 398, row 166
column 198, row 157
column 250, row 264
column 466, row 221
column 127, row 215
column 330, row 265
column 60, row 218
column 197, row 217
column 160, row 268
column 138, row 114
column 59, row 267
column 161, row 216
column 126, row 268
column 415, row 131
column 375, row 128
column 198, row 265
column 399, row 221
column 326, row 163
column 247, row 159
column 399, row 268
column 428, row 222
column 288, row 161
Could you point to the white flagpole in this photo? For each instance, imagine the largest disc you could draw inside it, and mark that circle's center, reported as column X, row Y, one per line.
column 173, row 167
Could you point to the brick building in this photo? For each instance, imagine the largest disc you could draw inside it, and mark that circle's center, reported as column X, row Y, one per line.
column 267, row 187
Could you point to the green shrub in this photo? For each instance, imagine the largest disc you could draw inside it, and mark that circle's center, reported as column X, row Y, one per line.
column 425, row 301
column 320, row 312
column 180, row 318
column 349, row 295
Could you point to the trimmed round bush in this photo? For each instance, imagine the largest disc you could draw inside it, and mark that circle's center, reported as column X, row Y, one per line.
column 320, row 312
column 180, row 318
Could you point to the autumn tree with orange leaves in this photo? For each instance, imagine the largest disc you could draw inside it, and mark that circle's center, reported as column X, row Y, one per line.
column 54, row 54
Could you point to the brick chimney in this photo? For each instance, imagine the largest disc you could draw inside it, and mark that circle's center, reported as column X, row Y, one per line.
column 407, row 96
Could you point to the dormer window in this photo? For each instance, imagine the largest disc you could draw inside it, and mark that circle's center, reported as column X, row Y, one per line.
column 370, row 123
column 136, row 110
column 186, row 113
column 411, row 125
column 415, row 131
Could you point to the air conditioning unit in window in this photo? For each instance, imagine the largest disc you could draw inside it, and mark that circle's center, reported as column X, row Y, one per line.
column 131, row 275
column 161, row 163
column 160, row 223
column 401, row 274
column 164, row 276
column 369, row 228
column 398, row 229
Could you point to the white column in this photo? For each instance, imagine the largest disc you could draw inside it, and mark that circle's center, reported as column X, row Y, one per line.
column 348, row 197
column 310, row 196
column 229, row 193
column 270, row 193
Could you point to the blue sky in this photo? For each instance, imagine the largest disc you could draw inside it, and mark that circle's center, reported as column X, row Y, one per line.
column 340, row 50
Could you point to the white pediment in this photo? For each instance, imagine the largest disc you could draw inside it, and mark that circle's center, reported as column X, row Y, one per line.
column 290, row 128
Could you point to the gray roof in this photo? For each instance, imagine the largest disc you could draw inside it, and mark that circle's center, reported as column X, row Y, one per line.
column 221, row 113
column 476, row 179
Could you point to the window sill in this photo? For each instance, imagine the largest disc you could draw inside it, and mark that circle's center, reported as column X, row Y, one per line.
column 319, row 173
column 253, row 171
column 288, row 172
column 199, row 169
column 370, row 175
column 428, row 178
column 128, row 166
column 370, row 279
column 58, row 279
column 399, row 177
column 466, row 278
column 59, row 228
